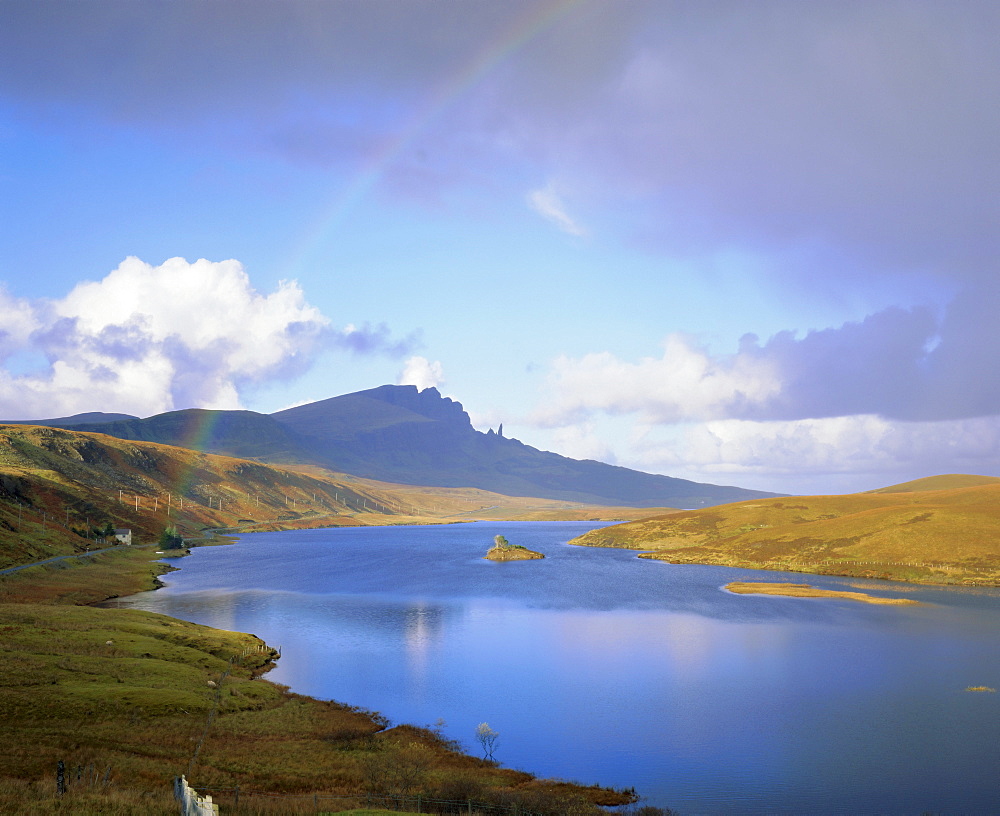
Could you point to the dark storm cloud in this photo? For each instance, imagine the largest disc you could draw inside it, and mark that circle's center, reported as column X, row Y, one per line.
column 868, row 126
column 902, row 364
column 870, row 367
column 861, row 135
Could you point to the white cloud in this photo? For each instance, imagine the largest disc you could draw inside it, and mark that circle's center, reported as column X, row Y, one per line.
column 547, row 203
column 798, row 413
column 685, row 383
column 422, row 373
column 17, row 322
column 582, row 442
column 148, row 339
column 810, row 455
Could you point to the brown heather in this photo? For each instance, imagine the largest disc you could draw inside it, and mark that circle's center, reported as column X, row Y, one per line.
column 943, row 535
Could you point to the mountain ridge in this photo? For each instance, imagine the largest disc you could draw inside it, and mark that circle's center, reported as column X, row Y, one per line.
column 400, row 434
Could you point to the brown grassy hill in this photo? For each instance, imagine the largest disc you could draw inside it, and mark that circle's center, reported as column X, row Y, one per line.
column 945, row 482
column 60, row 489
column 930, row 536
column 130, row 699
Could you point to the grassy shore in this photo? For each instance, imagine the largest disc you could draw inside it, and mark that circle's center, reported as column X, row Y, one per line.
column 130, row 699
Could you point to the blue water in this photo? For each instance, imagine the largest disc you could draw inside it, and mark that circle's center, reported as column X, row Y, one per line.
column 599, row 667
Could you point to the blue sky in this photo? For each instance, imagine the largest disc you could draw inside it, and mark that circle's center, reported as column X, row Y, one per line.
column 750, row 243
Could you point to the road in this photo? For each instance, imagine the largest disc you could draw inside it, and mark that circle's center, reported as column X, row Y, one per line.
column 62, row 557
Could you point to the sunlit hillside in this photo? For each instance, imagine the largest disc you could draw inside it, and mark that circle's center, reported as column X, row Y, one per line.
column 949, row 535
column 944, row 482
column 61, row 489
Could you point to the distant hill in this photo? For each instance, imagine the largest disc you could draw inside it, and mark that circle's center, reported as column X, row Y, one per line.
column 245, row 434
column 945, row 482
column 60, row 488
column 941, row 536
column 72, row 421
column 399, row 434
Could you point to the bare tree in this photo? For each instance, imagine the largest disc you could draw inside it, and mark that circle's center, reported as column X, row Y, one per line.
column 487, row 738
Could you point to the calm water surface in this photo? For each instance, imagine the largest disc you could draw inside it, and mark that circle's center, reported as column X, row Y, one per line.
column 599, row 667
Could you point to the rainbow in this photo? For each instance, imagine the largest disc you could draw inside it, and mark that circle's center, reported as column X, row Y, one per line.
column 521, row 31
column 199, row 423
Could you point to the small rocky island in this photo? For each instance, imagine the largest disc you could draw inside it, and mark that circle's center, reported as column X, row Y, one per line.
column 503, row 550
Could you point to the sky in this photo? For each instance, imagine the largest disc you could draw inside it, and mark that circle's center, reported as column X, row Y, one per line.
column 737, row 241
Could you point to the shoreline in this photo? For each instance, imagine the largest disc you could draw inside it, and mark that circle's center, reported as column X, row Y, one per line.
column 602, row 797
column 671, row 557
column 790, row 590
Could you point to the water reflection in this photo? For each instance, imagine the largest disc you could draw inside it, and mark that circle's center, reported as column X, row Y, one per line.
column 596, row 666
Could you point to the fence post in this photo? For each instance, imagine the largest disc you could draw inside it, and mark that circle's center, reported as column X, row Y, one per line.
column 61, row 777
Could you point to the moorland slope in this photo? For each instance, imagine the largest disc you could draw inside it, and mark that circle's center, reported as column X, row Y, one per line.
column 942, row 536
column 60, row 489
column 395, row 433
column 129, row 699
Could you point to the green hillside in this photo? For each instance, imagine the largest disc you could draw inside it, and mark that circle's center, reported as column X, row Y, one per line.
column 947, row 536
